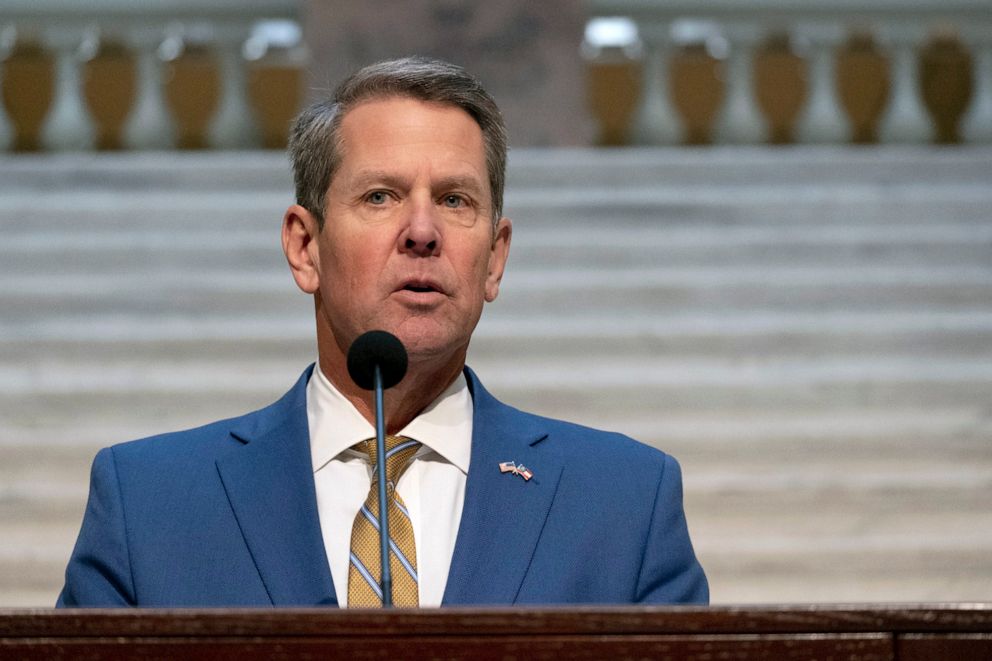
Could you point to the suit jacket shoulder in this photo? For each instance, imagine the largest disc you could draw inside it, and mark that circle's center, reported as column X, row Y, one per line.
column 599, row 521
column 219, row 515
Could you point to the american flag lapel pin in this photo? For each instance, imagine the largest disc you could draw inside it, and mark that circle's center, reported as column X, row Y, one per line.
column 514, row 468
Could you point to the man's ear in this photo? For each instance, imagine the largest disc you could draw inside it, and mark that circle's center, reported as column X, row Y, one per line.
column 497, row 257
column 299, row 243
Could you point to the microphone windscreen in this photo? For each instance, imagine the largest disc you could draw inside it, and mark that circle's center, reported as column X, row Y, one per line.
column 373, row 348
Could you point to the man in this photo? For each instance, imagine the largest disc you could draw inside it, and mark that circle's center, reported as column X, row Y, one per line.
column 398, row 227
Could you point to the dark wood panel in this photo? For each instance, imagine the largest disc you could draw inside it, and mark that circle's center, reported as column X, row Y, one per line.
column 914, row 632
column 920, row 619
column 953, row 647
column 864, row 647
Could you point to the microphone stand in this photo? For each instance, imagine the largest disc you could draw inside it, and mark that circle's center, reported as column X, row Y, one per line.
column 376, row 361
column 386, row 583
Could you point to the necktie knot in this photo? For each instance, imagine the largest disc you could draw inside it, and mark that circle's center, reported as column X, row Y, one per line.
column 400, row 451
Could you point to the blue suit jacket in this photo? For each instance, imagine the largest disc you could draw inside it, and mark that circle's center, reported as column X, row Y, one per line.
column 225, row 515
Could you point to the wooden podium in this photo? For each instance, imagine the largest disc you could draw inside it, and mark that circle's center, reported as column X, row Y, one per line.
column 919, row 632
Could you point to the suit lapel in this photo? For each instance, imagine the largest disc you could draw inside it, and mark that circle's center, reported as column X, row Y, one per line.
column 269, row 483
column 503, row 514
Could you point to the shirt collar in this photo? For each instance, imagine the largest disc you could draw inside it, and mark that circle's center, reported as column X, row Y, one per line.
column 444, row 427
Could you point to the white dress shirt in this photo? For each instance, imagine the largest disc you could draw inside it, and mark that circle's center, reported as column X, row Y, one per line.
column 432, row 488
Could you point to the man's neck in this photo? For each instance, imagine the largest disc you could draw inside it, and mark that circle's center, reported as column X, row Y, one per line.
column 424, row 382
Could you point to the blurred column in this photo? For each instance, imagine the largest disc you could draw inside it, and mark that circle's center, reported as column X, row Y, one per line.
column 108, row 75
column 863, row 85
column 822, row 120
column 191, row 83
column 7, row 36
column 946, row 72
column 740, row 121
column 781, row 85
column 977, row 126
column 149, row 126
column 613, row 55
column 906, row 120
column 698, row 78
column 232, row 127
column 276, row 64
column 68, row 126
column 27, row 86
column 655, row 123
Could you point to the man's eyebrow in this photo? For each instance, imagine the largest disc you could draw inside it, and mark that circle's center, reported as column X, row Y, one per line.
column 460, row 182
column 369, row 177
column 466, row 182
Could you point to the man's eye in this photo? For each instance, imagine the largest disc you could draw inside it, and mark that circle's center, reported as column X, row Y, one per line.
column 453, row 201
column 377, row 197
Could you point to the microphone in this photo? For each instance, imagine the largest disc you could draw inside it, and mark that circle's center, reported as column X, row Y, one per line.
column 380, row 349
column 377, row 360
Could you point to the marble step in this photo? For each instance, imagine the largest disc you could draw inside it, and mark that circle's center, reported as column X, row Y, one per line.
column 567, row 210
column 749, row 335
column 584, row 308
column 614, row 380
column 528, row 168
column 532, row 257
column 113, row 232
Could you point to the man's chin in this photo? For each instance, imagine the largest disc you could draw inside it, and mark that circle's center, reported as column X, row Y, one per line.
column 428, row 349
column 427, row 343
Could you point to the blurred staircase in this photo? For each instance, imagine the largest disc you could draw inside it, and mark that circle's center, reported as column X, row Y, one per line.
column 809, row 330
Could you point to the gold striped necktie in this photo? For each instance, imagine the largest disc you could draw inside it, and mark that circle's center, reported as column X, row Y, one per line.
column 364, row 568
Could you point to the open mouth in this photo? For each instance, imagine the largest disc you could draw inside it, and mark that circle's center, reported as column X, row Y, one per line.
column 420, row 288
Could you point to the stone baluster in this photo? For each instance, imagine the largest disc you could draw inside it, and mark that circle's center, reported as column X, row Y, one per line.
column 946, row 73
column 822, row 120
column 7, row 36
column 740, row 121
column 275, row 59
column 655, row 122
column 191, row 83
column 6, row 129
column 613, row 55
column 864, row 83
column 697, row 78
column 780, row 85
column 108, row 85
column 232, row 127
column 906, row 120
column 977, row 124
column 27, row 87
column 149, row 125
column 68, row 126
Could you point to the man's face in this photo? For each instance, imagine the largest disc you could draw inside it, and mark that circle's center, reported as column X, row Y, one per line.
column 408, row 244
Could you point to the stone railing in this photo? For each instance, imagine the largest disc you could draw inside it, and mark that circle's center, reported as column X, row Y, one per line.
column 149, row 74
column 699, row 71
column 230, row 73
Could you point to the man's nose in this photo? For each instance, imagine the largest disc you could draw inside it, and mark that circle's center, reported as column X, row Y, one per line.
column 422, row 234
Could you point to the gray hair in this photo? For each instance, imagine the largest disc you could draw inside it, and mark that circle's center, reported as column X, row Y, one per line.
column 314, row 143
